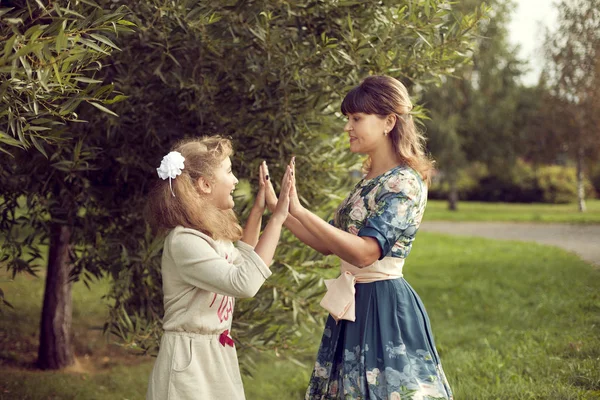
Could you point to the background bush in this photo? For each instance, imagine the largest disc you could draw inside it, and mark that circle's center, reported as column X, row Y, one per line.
column 519, row 183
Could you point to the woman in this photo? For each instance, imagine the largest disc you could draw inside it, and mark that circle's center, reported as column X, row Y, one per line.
column 377, row 342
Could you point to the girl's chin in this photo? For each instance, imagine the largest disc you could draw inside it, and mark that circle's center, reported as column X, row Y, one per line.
column 228, row 206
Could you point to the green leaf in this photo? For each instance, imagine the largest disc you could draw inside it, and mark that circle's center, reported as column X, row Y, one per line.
column 13, row 21
column 38, row 145
column 9, row 140
column 93, row 45
column 104, row 40
column 102, row 108
column 8, row 47
column 116, row 99
column 4, row 10
column 71, row 12
column 125, row 22
column 61, row 38
column 86, row 80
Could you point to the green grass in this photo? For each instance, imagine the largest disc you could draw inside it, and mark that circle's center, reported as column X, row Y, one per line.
column 511, row 321
column 103, row 371
column 474, row 211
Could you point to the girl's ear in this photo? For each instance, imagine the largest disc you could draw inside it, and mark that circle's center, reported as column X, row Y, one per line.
column 204, row 185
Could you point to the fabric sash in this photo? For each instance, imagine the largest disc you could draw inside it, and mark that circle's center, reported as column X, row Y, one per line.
column 339, row 299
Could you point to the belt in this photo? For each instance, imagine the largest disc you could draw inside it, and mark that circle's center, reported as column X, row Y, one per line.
column 224, row 337
column 339, row 299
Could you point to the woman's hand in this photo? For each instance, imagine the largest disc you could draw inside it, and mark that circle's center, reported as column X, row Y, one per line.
column 270, row 196
column 283, row 203
column 295, row 206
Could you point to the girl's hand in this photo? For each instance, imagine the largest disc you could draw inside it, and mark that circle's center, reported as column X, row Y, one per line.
column 283, row 203
column 259, row 201
column 295, row 206
column 270, row 196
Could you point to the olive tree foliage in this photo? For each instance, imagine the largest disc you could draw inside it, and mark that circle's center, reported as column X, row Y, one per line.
column 270, row 75
column 573, row 78
column 49, row 55
column 49, row 58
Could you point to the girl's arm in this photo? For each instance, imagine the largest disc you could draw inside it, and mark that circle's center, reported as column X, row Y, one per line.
column 252, row 228
column 291, row 222
column 356, row 250
column 200, row 265
column 265, row 248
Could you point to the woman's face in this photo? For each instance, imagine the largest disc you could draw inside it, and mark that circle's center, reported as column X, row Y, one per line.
column 366, row 132
column 222, row 186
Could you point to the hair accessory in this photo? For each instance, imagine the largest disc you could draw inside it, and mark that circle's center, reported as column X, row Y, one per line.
column 171, row 166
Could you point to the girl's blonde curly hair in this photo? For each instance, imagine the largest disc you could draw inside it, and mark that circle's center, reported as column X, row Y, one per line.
column 189, row 207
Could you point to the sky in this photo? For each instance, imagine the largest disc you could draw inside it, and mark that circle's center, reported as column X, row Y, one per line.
column 526, row 29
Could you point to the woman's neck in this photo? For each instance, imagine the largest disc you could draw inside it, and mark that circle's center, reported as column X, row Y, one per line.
column 382, row 160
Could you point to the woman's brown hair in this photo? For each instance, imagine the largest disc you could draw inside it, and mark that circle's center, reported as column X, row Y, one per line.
column 189, row 208
column 382, row 96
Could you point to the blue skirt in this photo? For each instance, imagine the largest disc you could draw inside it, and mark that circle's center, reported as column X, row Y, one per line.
column 387, row 353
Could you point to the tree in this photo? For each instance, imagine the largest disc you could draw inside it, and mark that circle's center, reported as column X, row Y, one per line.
column 48, row 64
column 473, row 112
column 270, row 75
column 574, row 80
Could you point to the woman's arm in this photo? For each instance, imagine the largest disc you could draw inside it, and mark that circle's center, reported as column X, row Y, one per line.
column 292, row 223
column 356, row 250
column 305, row 236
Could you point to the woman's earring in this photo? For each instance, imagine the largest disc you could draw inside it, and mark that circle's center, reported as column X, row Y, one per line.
column 385, row 133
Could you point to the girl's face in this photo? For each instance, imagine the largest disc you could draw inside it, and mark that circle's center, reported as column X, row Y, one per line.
column 366, row 132
column 222, row 186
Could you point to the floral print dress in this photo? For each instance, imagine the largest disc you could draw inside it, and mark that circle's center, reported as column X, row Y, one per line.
column 388, row 352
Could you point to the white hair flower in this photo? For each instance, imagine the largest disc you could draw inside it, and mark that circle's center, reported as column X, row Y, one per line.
column 170, row 167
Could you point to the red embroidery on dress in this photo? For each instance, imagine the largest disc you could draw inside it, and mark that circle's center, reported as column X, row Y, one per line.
column 225, row 307
column 213, row 300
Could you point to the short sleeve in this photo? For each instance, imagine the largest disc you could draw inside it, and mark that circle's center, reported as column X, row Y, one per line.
column 395, row 215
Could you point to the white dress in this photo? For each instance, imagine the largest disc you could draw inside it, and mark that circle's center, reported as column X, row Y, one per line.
column 197, row 358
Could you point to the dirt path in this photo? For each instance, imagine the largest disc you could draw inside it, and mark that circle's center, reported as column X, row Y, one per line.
column 583, row 240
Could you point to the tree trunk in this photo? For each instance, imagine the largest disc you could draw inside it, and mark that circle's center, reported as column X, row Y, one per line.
column 55, row 351
column 580, row 186
column 452, row 195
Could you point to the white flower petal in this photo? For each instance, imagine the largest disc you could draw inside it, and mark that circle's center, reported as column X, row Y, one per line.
column 171, row 165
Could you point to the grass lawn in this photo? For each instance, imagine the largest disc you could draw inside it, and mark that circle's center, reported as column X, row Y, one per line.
column 511, row 321
column 475, row 211
column 103, row 370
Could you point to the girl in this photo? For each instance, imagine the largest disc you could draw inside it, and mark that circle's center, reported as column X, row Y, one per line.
column 203, row 271
column 377, row 342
